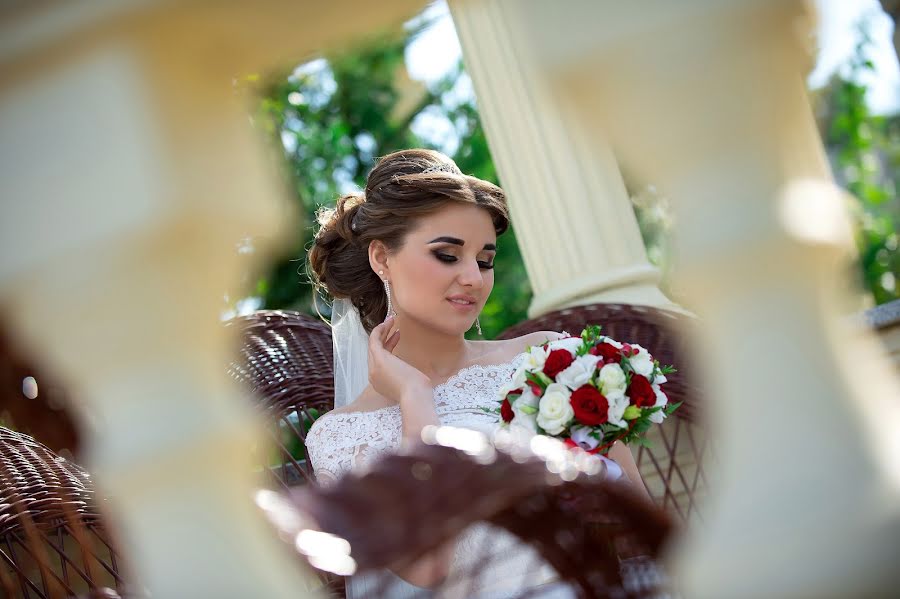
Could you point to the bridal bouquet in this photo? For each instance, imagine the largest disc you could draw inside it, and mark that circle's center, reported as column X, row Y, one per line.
column 589, row 391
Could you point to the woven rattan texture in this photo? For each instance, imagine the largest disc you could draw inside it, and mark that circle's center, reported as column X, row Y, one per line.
column 285, row 360
column 52, row 541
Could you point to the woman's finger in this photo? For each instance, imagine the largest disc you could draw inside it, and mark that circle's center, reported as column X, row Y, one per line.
column 378, row 335
column 392, row 341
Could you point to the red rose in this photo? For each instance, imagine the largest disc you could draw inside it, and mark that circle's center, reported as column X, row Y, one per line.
column 506, row 411
column 535, row 388
column 591, row 407
column 641, row 392
column 557, row 361
column 608, row 353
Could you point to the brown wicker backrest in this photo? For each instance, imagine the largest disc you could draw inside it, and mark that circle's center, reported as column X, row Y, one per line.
column 673, row 468
column 52, row 539
column 285, row 360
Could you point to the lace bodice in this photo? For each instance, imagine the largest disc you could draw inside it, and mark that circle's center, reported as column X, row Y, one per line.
column 344, row 441
column 340, row 442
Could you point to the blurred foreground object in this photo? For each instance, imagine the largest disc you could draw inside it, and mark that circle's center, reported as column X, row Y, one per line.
column 32, row 402
column 549, row 497
column 706, row 99
column 130, row 174
column 885, row 321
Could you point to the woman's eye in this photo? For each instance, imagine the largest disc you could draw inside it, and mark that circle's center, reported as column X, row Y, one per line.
column 449, row 258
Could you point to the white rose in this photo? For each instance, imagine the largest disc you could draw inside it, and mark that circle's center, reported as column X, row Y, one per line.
column 536, row 357
column 518, row 377
column 555, row 410
column 579, row 372
column 525, row 411
column 642, row 363
column 582, row 436
column 659, row 379
column 661, row 402
column 617, row 405
column 612, row 381
column 569, row 343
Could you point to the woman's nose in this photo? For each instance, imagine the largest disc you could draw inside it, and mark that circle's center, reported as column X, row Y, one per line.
column 471, row 276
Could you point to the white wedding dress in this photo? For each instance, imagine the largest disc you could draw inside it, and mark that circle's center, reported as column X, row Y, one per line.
column 341, row 442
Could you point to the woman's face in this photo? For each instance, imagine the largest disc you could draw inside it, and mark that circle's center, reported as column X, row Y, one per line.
column 443, row 274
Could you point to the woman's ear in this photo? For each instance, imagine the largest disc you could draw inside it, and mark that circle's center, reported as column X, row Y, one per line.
column 378, row 259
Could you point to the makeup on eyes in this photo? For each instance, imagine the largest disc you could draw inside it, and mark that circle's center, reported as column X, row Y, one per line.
column 448, row 258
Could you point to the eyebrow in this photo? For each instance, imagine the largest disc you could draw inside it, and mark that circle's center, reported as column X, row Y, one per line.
column 457, row 241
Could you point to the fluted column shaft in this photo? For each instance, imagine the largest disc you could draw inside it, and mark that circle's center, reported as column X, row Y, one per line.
column 574, row 221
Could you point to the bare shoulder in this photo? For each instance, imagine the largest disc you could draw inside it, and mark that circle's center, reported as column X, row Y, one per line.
column 520, row 344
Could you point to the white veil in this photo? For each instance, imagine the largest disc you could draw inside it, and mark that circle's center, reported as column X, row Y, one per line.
column 351, row 352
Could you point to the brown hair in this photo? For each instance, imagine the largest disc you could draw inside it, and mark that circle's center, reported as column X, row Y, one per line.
column 398, row 192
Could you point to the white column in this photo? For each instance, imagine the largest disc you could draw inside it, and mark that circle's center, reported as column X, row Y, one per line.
column 706, row 99
column 574, row 221
column 130, row 172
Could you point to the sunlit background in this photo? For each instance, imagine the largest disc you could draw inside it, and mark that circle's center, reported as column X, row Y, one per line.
column 335, row 115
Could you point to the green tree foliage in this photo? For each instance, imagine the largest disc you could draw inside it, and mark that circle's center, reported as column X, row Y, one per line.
column 331, row 118
column 865, row 153
column 334, row 117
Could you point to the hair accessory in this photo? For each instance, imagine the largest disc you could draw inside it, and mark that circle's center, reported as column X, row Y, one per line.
column 443, row 168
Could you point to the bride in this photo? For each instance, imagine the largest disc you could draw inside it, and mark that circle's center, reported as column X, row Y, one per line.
column 409, row 264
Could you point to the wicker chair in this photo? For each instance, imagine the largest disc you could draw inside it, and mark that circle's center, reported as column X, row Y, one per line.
column 52, row 540
column 673, row 468
column 286, row 362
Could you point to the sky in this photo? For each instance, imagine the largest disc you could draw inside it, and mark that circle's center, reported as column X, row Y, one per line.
column 437, row 50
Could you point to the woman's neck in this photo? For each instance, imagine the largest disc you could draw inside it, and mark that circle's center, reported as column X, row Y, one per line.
column 435, row 354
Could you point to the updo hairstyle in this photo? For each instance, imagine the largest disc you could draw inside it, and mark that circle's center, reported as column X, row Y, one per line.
column 402, row 187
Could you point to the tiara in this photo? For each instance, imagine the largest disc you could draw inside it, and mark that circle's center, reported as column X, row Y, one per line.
column 443, row 168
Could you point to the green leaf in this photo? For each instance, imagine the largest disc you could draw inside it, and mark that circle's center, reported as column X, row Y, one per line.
column 539, row 378
column 670, row 409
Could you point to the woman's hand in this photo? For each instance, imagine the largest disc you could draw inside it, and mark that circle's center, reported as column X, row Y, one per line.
column 389, row 375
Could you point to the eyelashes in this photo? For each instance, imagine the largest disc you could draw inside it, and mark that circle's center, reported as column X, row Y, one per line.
column 448, row 259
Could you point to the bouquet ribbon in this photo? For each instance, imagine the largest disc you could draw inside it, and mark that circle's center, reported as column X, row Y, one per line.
column 613, row 470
